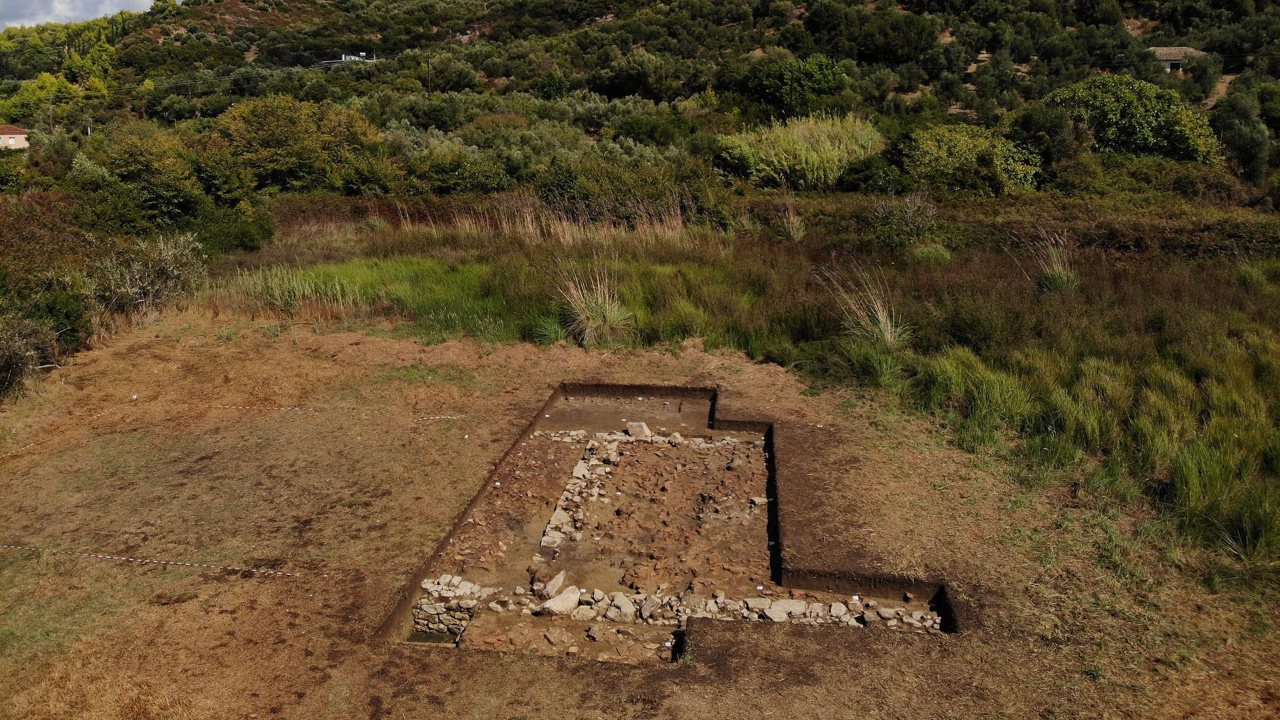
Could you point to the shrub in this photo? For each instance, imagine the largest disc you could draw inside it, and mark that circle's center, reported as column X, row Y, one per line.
column 1236, row 120
column 802, row 154
column 154, row 271
column 1113, row 173
column 290, row 144
column 965, row 158
column 244, row 227
column 23, row 345
column 164, row 185
column 1044, row 130
column 367, row 173
column 597, row 189
column 903, row 222
column 1127, row 115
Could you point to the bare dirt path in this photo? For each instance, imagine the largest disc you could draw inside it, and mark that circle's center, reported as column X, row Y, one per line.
column 343, row 458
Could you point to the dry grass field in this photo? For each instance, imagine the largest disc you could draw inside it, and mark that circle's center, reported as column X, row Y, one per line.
column 268, row 446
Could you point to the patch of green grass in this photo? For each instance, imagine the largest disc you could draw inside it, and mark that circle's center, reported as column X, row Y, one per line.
column 459, row 377
column 1150, row 381
column 34, row 624
column 931, row 255
column 444, row 300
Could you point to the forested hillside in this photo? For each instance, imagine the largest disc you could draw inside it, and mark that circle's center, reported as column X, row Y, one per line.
column 480, row 97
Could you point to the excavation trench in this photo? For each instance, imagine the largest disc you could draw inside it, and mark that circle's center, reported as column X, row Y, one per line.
column 621, row 513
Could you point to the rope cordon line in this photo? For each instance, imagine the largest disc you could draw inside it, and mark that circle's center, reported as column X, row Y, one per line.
column 147, row 561
column 55, row 433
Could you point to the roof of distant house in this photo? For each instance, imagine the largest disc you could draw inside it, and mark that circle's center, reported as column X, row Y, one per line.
column 1177, row 52
column 11, row 130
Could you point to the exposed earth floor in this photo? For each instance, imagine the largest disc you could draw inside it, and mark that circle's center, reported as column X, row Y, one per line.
column 339, row 462
column 608, row 539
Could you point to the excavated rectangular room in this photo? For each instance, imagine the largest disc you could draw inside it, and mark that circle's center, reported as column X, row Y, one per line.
column 621, row 514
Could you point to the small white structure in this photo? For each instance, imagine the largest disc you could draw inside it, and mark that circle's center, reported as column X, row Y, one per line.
column 349, row 58
column 1173, row 57
column 13, row 137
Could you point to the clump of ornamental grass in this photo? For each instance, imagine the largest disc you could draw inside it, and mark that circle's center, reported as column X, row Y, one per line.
column 792, row 227
column 746, row 225
column 865, row 307
column 597, row 314
column 1251, row 276
column 1051, row 252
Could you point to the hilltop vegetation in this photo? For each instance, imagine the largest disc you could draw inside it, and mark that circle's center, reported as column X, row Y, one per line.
column 1004, row 213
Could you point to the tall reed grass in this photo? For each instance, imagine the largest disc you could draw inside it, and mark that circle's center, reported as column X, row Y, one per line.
column 808, row 153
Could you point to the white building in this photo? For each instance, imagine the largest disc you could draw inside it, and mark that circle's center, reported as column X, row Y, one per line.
column 13, row 137
column 1173, row 57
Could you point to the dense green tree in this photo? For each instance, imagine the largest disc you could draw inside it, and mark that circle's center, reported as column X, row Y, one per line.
column 1044, row 130
column 1131, row 116
column 289, row 144
column 1246, row 138
column 162, row 183
column 968, row 159
column 793, row 87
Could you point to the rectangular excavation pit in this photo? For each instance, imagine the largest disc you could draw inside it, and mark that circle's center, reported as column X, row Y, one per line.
column 621, row 513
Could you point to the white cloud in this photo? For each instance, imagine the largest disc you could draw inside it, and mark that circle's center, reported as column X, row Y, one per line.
column 34, row 12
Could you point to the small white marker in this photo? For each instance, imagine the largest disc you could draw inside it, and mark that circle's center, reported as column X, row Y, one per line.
column 759, row 587
column 497, row 484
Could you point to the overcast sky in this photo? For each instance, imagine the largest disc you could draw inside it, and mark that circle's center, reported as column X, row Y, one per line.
column 33, row 12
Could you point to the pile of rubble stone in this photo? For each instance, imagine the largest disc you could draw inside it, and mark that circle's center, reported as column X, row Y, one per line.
column 677, row 610
column 448, row 605
column 451, row 602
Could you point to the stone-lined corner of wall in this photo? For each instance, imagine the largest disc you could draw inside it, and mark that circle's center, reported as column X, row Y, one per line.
column 448, row 605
